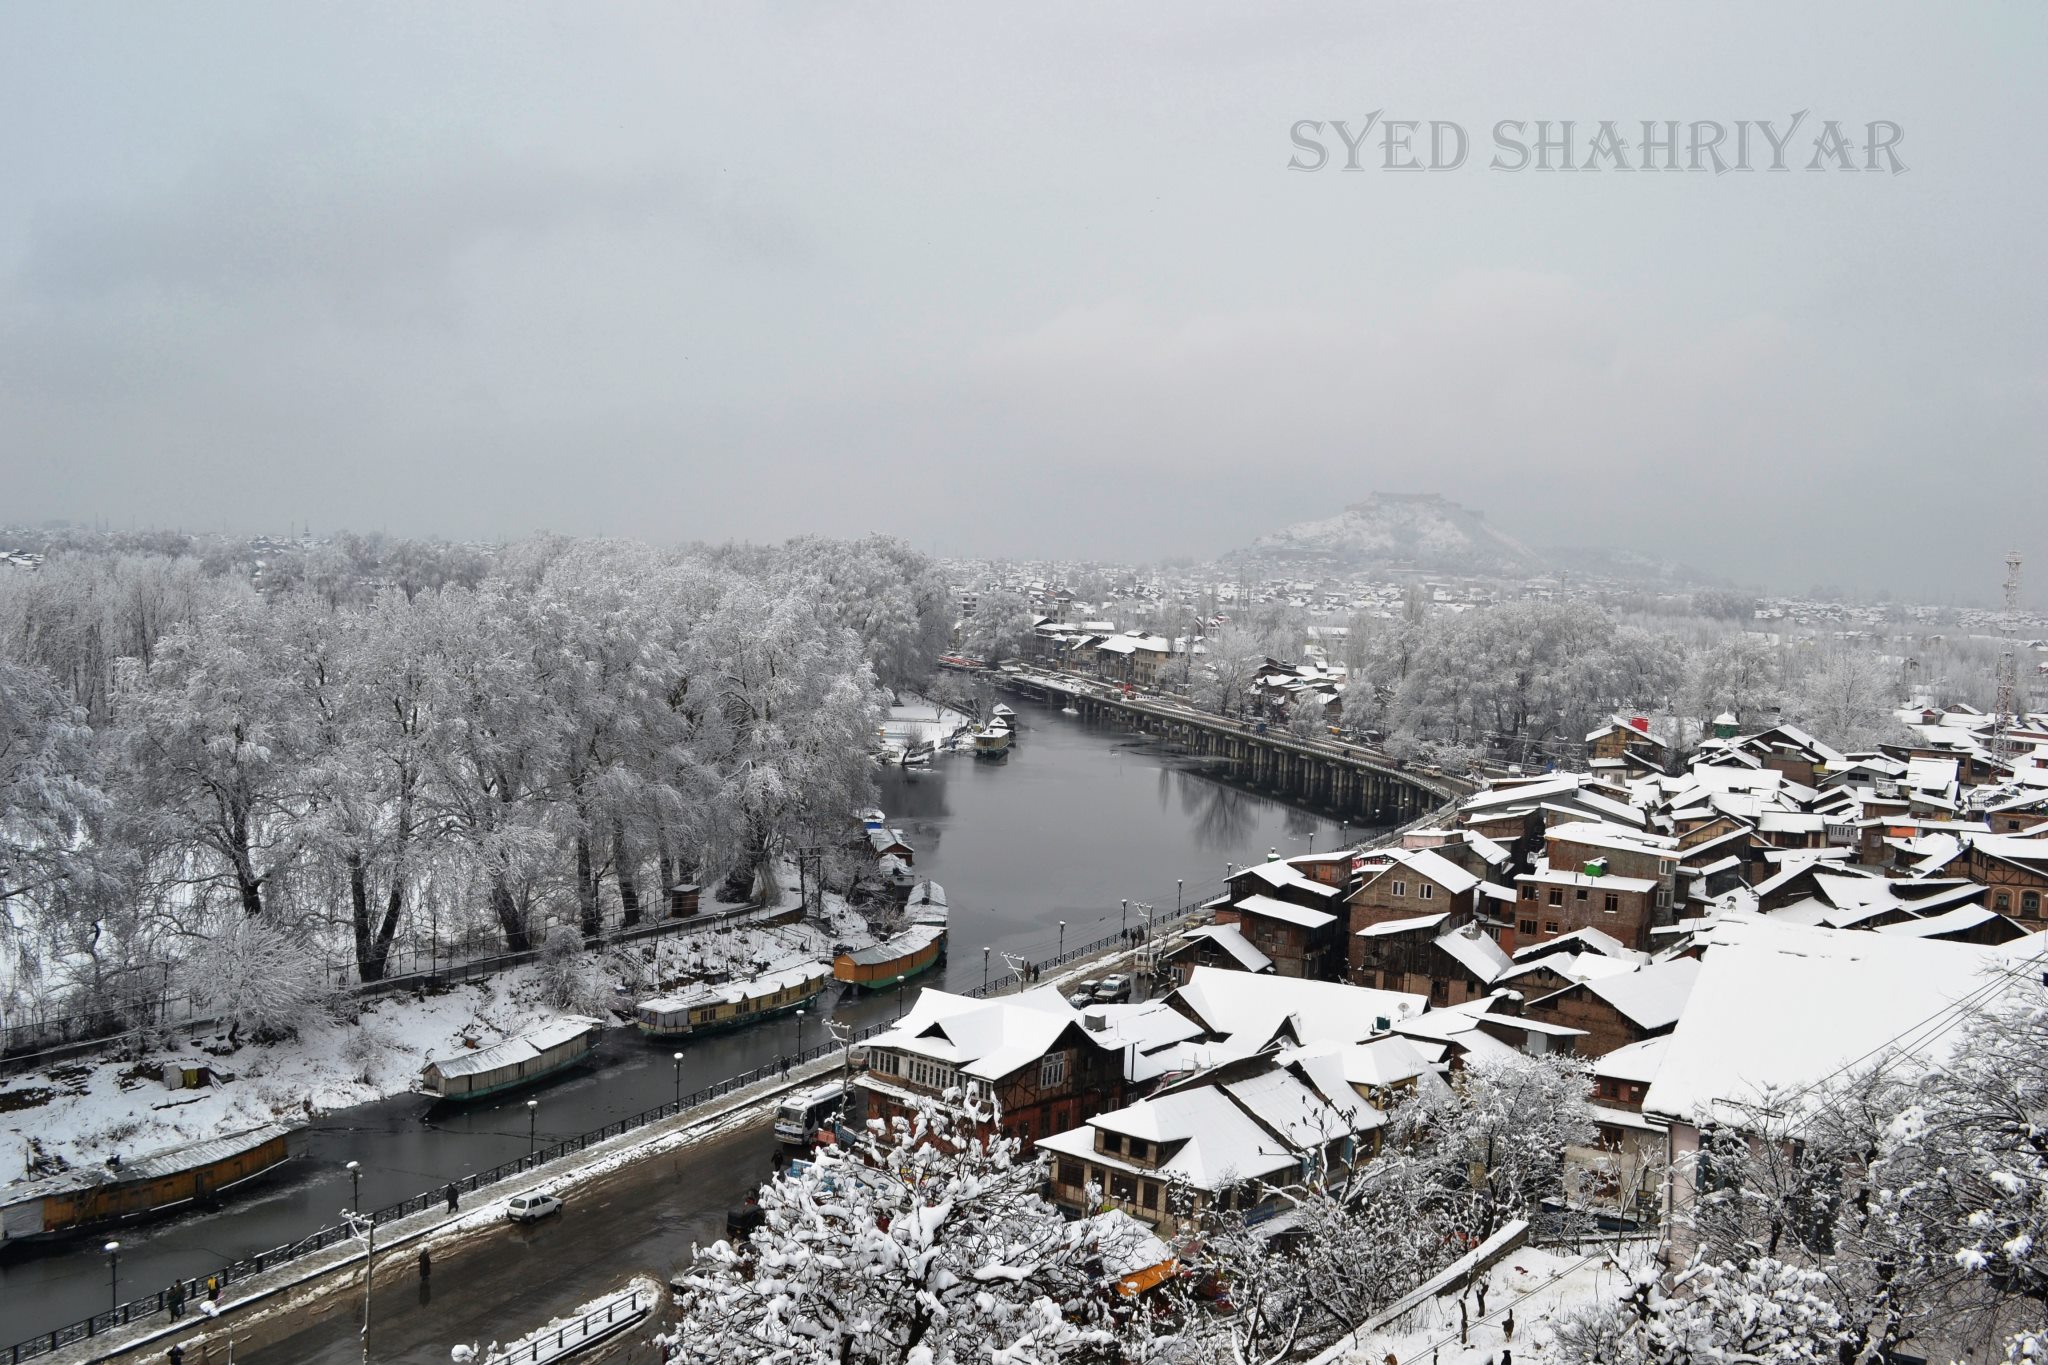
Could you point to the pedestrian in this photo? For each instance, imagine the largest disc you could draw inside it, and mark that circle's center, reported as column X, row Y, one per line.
column 1507, row 1326
column 785, row 1063
column 213, row 1289
column 174, row 1299
column 1507, row 1358
column 426, row 1265
column 176, row 1354
column 453, row 1199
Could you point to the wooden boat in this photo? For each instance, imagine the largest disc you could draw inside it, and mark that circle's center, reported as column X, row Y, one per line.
column 75, row 1201
column 519, row 1060
column 1003, row 713
column 992, row 740
column 896, row 959
column 927, row 904
column 713, row 1007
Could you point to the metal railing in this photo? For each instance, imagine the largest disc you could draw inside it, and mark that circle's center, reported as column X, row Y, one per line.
column 622, row 1311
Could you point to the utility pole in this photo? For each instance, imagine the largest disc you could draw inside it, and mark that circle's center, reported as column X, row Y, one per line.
column 366, row 1228
column 2002, row 745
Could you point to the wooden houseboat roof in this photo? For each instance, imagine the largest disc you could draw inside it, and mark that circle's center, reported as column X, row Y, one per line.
column 732, row 992
column 514, row 1050
column 150, row 1166
column 911, row 940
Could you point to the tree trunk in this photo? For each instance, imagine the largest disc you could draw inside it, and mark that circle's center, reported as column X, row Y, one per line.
column 247, row 883
column 629, row 880
column 510, row 921
column 586, row 887
column 359, row 911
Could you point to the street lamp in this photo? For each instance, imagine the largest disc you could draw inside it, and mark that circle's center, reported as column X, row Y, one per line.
column 1063, row 938
column 984, row 969
column 532, row 1117
column 679, row 1081
column 366, row 1228
column 800, row 1036
column 355, row 1180
column 1176, row 895
column 113, row 1250
column 1126, row 904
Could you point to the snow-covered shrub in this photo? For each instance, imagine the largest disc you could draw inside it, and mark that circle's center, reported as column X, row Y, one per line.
column 254, row 975
column 922, row 1245
column 571, row 978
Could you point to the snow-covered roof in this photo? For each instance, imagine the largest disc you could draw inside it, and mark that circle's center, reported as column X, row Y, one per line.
column 1476, row 952
column 1954, row 921
column 1233, row 1004
column 1429, row 864
column 1778, row 1009
column 149, row 1166
column 1638, row 1062
column 1389, row 927
column 1286, row 911
column 1651, row 997
column 986, row 1039
column 522, row 1047
column 1231, row 940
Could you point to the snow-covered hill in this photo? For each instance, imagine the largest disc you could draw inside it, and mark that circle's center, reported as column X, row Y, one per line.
column 1395, row 530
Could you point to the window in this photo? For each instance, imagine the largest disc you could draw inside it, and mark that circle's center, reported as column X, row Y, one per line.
column 1070, row 1173
column 1665, row 867
column 2002, row 902
column 1527, row 926
column 1557, row 895
column 1123, row 1187
column 2030, row 904
column 1579, row 894
column 1141, row 1149
column 1550, row 926
column 1612, row 903
column 1427, row 891
column 1112, row 1143
column 1052, row 1071
column 1528, row 893
column 1148, row 1193
column 1400, row 888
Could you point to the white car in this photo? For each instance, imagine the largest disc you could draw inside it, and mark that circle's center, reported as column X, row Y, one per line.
column 528, row 1208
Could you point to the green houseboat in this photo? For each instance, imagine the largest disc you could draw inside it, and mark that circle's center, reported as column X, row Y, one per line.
column 519, row 1060
column 713, row 1007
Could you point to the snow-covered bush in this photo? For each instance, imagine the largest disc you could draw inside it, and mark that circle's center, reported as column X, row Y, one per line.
column 918, row 1245
column 257, row 976
column 570, row 977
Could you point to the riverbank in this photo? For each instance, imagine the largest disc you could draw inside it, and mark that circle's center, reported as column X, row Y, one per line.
column 81, row 1112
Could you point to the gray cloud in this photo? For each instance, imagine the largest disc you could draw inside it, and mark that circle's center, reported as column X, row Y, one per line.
column 1022, row 281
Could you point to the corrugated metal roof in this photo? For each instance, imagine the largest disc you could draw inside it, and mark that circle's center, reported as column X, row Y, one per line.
column 517, row 1049
column 151, row 1166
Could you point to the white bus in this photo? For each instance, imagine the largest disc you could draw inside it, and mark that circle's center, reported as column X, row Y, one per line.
column 800, row 1118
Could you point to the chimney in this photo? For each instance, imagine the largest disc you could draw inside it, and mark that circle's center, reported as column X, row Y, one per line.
column 1639, row 723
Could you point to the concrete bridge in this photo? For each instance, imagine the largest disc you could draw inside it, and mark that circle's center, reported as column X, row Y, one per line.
column 1361, row 784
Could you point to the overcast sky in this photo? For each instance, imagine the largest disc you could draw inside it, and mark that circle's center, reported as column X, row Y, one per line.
column 1030, row 280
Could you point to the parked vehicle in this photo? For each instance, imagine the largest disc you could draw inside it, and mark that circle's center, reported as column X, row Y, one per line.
column 531, row 1208
column 1113, row 990
column 800, row 1118
column 1083, row 995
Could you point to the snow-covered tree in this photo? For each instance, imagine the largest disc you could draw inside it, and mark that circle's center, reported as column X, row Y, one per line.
column 999, row 628
column 257, row 976
column 1766, row 1312
column 1848, row 698
column 1230, row 665
column 1501, row 1130
column 916, row 1246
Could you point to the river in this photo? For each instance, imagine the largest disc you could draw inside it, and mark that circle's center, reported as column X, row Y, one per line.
column 1079, row 817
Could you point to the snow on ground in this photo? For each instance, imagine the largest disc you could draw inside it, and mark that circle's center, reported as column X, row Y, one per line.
column 922, row 721
column 1536, row 1283
column 81, row 1112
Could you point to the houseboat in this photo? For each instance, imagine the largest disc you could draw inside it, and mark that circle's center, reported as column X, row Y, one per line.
column 926, row 904
column 519, row 1060
column 715, row 1006
column 992, row 740
column 76, row 1201
column 1003, row 715
column 895, row 959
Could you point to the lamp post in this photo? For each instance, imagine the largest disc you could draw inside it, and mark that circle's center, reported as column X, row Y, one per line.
column 1125, row 903
column 355, row 1180
column 532, row 1118
column 366, row 1228
column 1063, row 938
column 984, row 969
column 113, row 1250
column 679, row 1082
column 1176, row 895
column 800, row 1035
